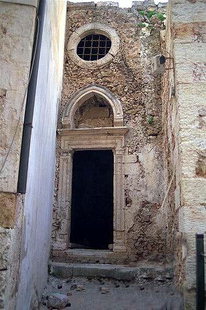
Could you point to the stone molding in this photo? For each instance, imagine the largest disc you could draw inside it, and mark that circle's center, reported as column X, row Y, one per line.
column 85, row 93
column 110, row 138
column 85, row 30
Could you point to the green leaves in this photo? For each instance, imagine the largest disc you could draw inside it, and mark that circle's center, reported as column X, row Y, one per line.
column 151, row 19
column 161, row 16
column 142, row 25
column 149, row 14
column 150, row 119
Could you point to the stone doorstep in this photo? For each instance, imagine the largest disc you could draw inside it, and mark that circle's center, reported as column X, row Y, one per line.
column 89, row 256
column 117, row 272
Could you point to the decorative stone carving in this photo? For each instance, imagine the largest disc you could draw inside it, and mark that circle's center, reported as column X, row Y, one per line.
column 85, row 93
column 101, row 138
column 87, row 139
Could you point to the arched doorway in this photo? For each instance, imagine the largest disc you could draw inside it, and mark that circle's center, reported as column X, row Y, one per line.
column 91, row 172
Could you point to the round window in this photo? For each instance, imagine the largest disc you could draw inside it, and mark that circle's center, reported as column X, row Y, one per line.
column 93, row 47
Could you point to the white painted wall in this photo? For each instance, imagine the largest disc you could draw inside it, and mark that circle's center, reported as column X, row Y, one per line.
column 40, row 183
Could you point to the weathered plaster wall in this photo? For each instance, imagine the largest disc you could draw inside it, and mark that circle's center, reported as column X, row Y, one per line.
column 39, row 196
column 129, row 77
column 16, row 48
column 16, row 40
column 186, row 110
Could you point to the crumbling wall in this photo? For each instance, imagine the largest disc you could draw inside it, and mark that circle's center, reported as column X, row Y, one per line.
column 129, row 77
column 184, row 97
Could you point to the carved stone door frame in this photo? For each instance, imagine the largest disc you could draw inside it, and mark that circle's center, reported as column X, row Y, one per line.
column 71, row 140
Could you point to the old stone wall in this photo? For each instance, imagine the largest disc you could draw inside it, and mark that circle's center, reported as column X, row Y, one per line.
column 129, row 77
column 184, row 97
column 16, row 42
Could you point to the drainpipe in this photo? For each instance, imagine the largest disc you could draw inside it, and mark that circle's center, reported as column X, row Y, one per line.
column 31, row 94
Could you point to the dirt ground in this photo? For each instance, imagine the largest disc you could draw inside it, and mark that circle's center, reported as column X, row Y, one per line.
column 108, row 294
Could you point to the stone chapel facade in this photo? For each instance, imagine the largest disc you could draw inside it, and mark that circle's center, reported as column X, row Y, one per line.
column 112, row 103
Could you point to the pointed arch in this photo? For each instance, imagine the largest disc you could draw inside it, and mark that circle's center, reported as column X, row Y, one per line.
column 85, row 93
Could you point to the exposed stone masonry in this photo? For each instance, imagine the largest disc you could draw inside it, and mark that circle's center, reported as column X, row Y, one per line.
column 95, row 112
column 129, row 77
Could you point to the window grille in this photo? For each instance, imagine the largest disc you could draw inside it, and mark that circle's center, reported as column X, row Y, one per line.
column 93, row 47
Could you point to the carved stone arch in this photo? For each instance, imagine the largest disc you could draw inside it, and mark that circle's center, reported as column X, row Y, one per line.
column 85, row 93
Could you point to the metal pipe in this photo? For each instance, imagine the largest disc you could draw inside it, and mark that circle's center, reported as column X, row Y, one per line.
column 28, row 118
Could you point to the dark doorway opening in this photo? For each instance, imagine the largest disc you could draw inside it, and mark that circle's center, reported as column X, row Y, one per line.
column 92, row 200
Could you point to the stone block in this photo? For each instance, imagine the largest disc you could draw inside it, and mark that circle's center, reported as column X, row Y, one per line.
column 25, row 2
column 57, row 301
column 131, row 169
column 7, row 210
column 188, row 12
column 187, row 33
column 130, row 159
column 10, row 75
column 192, row 158
column 189, row 260
column 16, row 32
column 81, row 4
column 190, row 53
column 5, row 242
column 191, row 99
column 185, row 1
column 201, row 165
column 108, row 3
column 190, row 272
column 192, row 219
column 96, row 112
column 193, row 191
column 10, row 30
column 3, row 279
column 191, row 73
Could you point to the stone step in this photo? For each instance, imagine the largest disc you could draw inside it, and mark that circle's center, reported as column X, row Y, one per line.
column 118, row 272
column 90, row 256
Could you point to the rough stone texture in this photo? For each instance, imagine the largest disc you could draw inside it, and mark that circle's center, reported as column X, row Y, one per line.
column 7, row 210
column 5, row 239
column 94, row 114
column 2, row 287
column 57, row 301
column 129, row 77
column 184, row 112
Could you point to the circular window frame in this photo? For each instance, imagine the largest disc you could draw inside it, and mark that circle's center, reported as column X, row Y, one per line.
column 93, row 28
